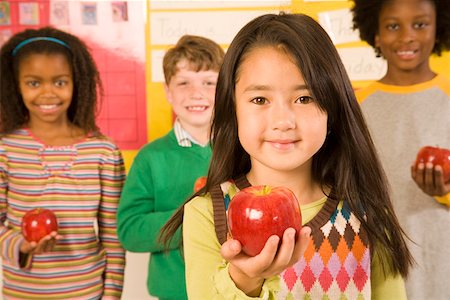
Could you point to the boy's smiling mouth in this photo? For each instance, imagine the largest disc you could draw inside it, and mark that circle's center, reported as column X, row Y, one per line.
column 197, row 108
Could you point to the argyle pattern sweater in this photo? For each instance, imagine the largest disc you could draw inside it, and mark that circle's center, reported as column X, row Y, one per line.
column 336, row 264
column 337, row 261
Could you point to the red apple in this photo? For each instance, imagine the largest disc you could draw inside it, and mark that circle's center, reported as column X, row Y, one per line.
column 199, row 183
column 38, row 223
column 436, row 156
column 258, row 212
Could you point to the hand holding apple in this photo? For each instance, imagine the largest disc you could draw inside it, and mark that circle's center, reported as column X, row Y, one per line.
column 38, row 223
column 436, row 156
column 258, row 212
column 249, row 272
column 433, row 180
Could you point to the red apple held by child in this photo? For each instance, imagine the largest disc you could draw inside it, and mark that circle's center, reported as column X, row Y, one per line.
column 38, row 223
column 436, row 156
column 199, row 183
column 258, row 212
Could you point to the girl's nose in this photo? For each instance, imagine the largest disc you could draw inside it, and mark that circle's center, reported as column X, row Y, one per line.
column 407, row 34
column 47, row 89
column 282, row 117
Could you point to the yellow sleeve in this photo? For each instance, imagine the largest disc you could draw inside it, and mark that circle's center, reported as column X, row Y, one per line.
column 444, row 199
column 206, row 272
column 390, row 287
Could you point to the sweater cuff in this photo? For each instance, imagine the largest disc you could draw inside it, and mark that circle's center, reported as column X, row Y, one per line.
column 11, row 253
column 444, row 199
column 226, row 287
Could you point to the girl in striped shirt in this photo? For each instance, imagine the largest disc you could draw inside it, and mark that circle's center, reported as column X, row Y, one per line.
column 53, row 156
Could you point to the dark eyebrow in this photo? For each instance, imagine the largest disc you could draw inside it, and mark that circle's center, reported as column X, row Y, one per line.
column 257, row 87
column 39, row 77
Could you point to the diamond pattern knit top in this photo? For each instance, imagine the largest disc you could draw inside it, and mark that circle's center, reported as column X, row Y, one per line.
column 337, row 261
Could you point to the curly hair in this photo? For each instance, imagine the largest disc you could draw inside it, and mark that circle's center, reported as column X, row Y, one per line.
column 87, row 83
column 366, row 15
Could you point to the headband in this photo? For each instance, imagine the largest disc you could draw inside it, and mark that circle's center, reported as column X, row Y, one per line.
column 43, row 38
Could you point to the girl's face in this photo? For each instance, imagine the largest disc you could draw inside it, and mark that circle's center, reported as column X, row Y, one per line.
column 46, row 86
column 406, row 34
column 279, row 124
column 192, row 95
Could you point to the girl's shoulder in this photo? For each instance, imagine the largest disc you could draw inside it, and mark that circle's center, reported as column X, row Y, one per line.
column 98, row 141
column 18, row 137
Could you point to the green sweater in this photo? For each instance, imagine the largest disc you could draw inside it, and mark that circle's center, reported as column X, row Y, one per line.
column 161, row 178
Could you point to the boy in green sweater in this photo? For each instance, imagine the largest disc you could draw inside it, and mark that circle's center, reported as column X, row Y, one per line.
column 164, row 171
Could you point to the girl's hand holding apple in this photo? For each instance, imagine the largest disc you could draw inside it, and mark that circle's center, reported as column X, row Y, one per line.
column 431, row 170
column 45, row 244
column 249, row 272
column 40, row 231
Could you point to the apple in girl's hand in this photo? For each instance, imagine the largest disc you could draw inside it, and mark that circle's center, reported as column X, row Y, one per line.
column 258, row 212
column 38, row 223
column 436, row 156
column 199, row 183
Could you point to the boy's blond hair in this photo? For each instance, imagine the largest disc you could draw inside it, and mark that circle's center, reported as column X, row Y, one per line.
column 202, row 54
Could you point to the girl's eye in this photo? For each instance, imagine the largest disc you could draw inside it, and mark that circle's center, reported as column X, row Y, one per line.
column 420, row 25
column 392, row 26
column 259, row 101
column 60, row 83
column 304, row 99
column 32, row 83
column 210, row 83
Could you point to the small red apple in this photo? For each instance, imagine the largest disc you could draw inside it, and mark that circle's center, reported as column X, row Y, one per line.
column 38, row 223
column 258, row 212
column 199, row 183
column 436, row 156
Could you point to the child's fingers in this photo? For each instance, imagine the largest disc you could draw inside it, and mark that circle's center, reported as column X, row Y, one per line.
column 303, row 239
column 428, row 177
column 27, row 247
column 230, row 249
column 285, row 251
column 442, row 188
column 268, row 253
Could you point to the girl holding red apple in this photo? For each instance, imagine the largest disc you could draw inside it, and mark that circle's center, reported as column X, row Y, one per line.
column 407, row 109
column 286, row 115
column 53, row 157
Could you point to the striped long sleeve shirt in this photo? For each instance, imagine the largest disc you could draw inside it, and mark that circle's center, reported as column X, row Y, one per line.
column 81, row 183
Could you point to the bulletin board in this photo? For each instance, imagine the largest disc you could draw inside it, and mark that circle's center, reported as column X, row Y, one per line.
column 128, row 40
column 105, row 27
column 220, row 20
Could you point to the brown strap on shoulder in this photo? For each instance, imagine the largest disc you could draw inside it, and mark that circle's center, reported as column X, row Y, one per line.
column 220, row 216
column 242, row 182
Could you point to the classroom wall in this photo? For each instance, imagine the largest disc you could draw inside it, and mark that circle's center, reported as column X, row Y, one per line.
column 132, row 45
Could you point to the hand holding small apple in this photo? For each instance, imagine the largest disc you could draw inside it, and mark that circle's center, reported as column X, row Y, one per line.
column 46, row 244
column 40, row 231
column 267, row 236
column 249, row 272
column 431, row 170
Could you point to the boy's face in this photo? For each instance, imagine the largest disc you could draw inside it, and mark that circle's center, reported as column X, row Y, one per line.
column 191, row 95
column 406, row 34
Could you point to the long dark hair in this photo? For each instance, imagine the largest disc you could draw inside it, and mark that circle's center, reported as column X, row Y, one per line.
column 347, row 161
column 86, row 79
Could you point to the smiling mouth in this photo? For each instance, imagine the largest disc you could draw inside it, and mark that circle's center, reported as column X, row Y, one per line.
column 283, row 145
column 407, row 54
column 48, row 107
column 199, row 108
